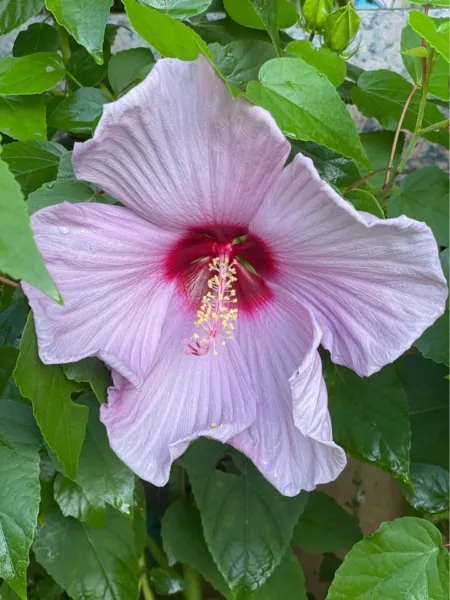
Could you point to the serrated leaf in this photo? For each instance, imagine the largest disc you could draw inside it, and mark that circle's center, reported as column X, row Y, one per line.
column 15, row 12
column 324, row 60
column 402, row 559
column 434, row 342
column 74, row 502
column 20, row 257
column 179, row 9
column 90, row 370
column 89, row 562
column 23, row 117
column 241, row 60
column 129, row 66
column 85, row 21
column 33, row 163
column 39, row 37
column 370, row 417
column 169, row 37
column 32, row 74
column 59, row 191
column 61, row 421
column 306, row 106
column 19, row 500
column 77, row 113
column 324, row 526
column 426, row 28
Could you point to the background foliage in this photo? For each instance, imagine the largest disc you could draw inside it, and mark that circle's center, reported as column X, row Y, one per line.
column 74, row 521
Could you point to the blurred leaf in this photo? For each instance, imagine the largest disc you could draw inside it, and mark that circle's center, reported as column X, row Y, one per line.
column 23, row 117
column 65, row 168
column 327, row 62
column 12, row 321
column 251, row 541
column 33, row 163
column 20, row 257
column 78, row 111
column 434, row 343
column 324, row 526
column 240, row 61
column 15, row 12
column 306, row 106
column 427, row 29
column 382, row 94
column 89, row 562
column 180, row 9
column 39, row 37
column 370, row 417
column 225, row 31
column 73, row 502
column 169, row 37
column 165, row 581
column 378, row 146
column 30, row 74
column 403, row 558
column 433, row 2
column 8, row 359
column 328, row 567
column 85, row 21
column 6, row 593
column 61, row 421
column 286, row 582
column 428, row 391
column 129, row 66
column 90, row 370
column 365, row 201
column 19, row 500
column 262, row 14
column 424, row 196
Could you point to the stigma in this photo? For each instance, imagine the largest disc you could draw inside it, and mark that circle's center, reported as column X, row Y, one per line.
column 218, row 313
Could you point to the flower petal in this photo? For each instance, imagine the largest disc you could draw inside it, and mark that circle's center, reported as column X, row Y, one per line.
column 374, row 285
column 107, row 263
column 291, row 440
column 180, row 151
column 184, row 397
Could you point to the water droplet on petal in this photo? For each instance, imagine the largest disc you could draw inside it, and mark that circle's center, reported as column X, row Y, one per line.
column 63, row 230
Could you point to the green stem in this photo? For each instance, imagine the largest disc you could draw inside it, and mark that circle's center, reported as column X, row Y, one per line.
column 435, row 127
column 64, row 43
column 105, row 90
column 144, row 585
column 73, row 78
column 192, row 583
column 156, row 552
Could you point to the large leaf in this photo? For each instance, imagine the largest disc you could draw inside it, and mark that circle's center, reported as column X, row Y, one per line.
column 30, row 74
column 225, row 31
column 250, row 542
column 129, row 66
column 23, row 117
column 74, row 502
column 169, row 37
column 327, row 62
column 306, row 106
column 286, row 582
column 427, row 390
column 19, row 255
column 61, row 421
column 262, row 14
column 39, row 37
column 423, row 196
column 15, row 12
column 180, row 9
column 370, row 417
column 402, row 559
column 20, row 493
column 64, row 190
column 85, row 21
column 241, row 60
column 90, row 370
column 33, row 163
column 88, row 562
column 426, row 27
column 382, row 94
column 365, row 201
column 378, row 146
column 324, row 526
column 79, row 111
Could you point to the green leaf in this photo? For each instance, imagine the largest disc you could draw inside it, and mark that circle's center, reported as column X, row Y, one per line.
column 427, row 390
column 88, row 562
column 65, row 168
column 6, row 593
column 370, row 418
column 85, row 21
column 378, row 146
column 19, row 500
column 179, row 9
column 434, row 343
column 33, row 163
column 39, row 37
column 19, row 255
column 433, row 2
column 129, row 66
column 23, row 117
column 32, row 74
column 61, row 421
column 241, row 60
column 251, row 541
column 74, row 502
column 328, row 567
column 306, row 106
column 262, row 14
column 90, row 370
column 382, row 94
column 165, row 582
column 402, row 559
column 423, row 196
column 420, row 51
column 12, row 321
column 286, row 582
column 8, row 359
column 169, row 37
column 225, row 31
column 85, row 70
column 55, row 192
column 327, row 62
column 15, row 12
column 365, row 201
column 324, row 526
column 426, row 28
column 77, row 113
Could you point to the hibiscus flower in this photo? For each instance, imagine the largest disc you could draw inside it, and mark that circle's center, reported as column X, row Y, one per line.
column 210, row 290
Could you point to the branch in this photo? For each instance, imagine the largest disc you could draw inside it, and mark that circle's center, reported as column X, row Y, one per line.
column 9, row 282
column 357, row 183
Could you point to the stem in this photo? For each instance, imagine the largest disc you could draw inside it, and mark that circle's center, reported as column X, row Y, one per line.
column 63, row 43
column 193, row 585
column 435, row 127
column 105, row 90
column 9, row 282
column 156, row 552
column 144, row 585
column 357, row 183
column 74, row 79
column 397, row 135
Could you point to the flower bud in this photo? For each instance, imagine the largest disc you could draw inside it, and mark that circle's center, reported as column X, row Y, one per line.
column 341, row 28
column 315, row 13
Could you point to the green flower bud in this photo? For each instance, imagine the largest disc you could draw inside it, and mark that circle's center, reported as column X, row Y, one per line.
column 341, row 28
column 315, row 13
